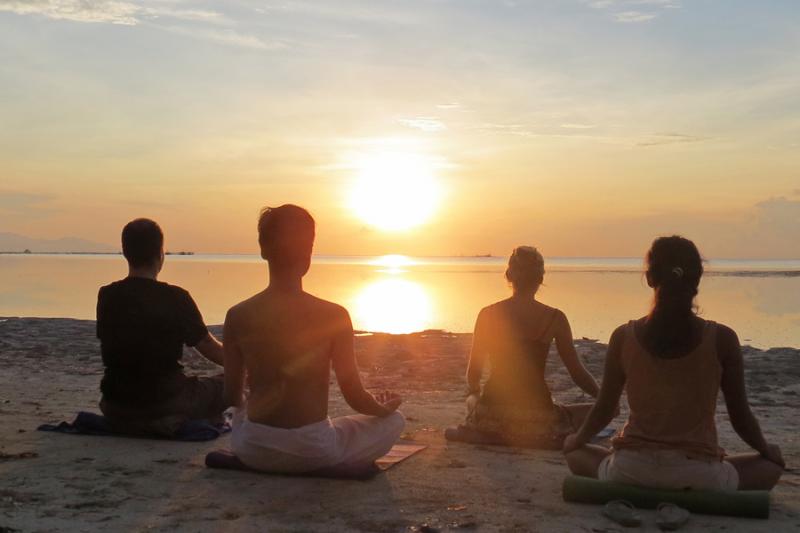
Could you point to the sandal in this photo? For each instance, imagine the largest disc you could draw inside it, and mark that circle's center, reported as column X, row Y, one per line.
column 623, row 513
column 670, row 517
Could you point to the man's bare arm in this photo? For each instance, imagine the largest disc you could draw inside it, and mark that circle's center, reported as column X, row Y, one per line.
column 234, row 366
column 569, row 356
column 346, row 369
column 210, row 348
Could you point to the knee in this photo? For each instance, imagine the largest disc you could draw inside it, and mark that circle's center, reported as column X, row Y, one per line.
column 396, row 421
column 573, row 460
column 582, row 462
column 773, row 474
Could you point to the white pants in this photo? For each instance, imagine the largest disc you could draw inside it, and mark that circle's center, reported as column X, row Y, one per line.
column 347, row 440
column 667, row 469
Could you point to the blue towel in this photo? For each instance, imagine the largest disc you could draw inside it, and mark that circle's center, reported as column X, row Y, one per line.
column 603, row 435
column 93, row 424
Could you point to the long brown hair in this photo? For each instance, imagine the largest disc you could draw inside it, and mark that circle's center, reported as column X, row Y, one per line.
column 674, row 269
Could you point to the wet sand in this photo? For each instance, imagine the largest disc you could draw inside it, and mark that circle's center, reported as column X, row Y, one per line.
column 52, row 482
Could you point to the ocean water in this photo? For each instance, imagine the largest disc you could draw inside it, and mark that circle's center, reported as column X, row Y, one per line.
column 398, row 294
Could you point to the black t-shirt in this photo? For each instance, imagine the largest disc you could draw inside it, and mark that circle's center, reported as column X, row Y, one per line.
column 142, row 325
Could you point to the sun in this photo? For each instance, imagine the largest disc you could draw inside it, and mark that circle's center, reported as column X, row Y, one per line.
column 395, row 191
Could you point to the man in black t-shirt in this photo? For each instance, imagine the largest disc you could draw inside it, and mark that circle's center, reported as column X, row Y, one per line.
column 142, row 325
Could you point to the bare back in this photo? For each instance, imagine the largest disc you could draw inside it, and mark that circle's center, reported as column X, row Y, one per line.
column 285, row 341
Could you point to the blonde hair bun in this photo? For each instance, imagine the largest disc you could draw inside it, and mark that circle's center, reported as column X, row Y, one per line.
column 525, row 268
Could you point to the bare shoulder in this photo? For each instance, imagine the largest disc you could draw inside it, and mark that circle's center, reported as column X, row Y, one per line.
column 727, row 342
column 492, row 308
column 559, row 316
column 243, row 308
column 618, row 335
column 329, row 310
column 726, row 333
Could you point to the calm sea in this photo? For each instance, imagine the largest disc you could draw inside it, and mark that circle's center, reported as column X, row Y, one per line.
column 398, row 294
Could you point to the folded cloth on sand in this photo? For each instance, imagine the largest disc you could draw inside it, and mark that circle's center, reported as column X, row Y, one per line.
column 347, row 441
column 87, row 423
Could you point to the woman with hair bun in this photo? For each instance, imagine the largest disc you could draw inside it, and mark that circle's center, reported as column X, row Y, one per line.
column 672, row 365
column 514, row 336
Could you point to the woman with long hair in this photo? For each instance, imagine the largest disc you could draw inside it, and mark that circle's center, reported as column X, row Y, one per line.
column 514, row 336
column 672, row 364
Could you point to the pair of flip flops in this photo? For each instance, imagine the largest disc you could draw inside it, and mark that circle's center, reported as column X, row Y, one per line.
column 669, row 517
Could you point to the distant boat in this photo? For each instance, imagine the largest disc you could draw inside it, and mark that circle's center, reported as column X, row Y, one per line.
column 179, row 253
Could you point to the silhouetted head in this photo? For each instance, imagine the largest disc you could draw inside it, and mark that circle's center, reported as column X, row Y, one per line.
column 674, row 269
column 286, row 237
column 525, row 269
column 143, row 243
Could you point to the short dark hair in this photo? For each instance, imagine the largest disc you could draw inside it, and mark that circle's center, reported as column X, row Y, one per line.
column 142, row 241
column 286, row 234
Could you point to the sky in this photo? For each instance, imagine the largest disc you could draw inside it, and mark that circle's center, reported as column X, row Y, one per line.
column 583, row 127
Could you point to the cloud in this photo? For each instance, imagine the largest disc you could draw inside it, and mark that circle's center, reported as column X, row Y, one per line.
column 631, row 11
column 108, row 11
column 780, row 211
column 24, row 203
column 427, row 124
column 607, row 4
column 634, row 16
column 507, row 129
column 226, row 37
column 148, row 12
column 578, row 126
column 659, row 139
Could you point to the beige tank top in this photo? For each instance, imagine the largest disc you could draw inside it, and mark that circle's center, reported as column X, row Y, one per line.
column 672, row 401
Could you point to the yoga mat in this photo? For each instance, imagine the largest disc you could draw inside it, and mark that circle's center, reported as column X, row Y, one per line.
column 225, row 459
column 398, row 453
column 742, row 503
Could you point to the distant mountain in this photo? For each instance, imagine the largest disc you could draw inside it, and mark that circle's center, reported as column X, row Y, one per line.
column 11, row 242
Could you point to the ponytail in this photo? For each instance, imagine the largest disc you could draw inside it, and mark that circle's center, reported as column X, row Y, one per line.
column 674, row 269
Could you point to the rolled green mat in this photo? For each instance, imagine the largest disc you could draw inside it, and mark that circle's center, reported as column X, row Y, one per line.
column 743, row 503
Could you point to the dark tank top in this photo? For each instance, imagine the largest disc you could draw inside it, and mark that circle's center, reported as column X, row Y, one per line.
column 517, row 363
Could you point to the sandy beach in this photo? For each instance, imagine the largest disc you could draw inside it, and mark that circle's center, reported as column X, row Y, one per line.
column 52, row 482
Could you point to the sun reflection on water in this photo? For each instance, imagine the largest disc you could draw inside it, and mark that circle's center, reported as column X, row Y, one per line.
column 393, row 305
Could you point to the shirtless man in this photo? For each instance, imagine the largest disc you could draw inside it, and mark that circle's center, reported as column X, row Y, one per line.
column 282, row 343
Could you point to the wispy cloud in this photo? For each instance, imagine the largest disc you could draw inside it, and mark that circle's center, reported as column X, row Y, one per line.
column 670, row 138
column 634, row 16
column 20, row 202
column 634, row 11
column 108, row 11
column 428, row 124
column 202, row 24
column 226, row 37
column 575, row 126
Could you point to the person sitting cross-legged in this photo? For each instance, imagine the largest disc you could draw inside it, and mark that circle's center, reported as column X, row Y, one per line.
column 672, row 364
column 280, row 344
column 143, row 324
column 513, row 338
